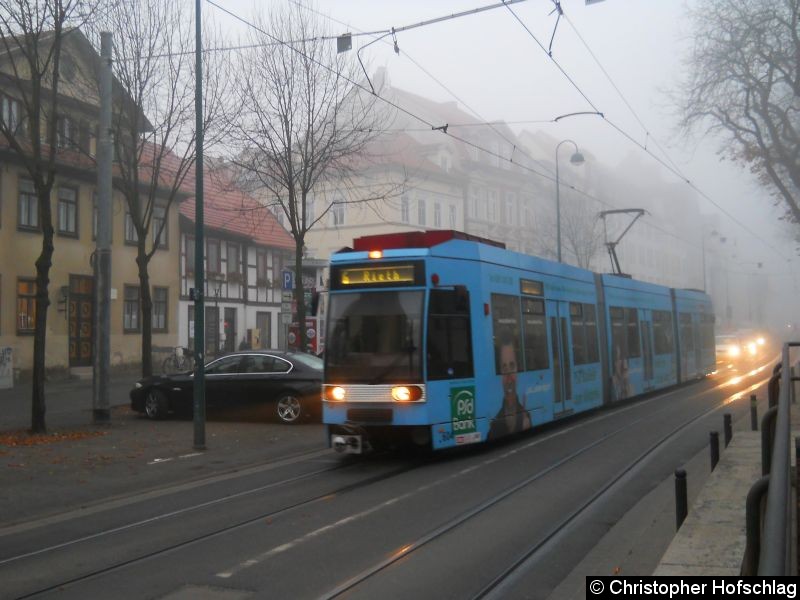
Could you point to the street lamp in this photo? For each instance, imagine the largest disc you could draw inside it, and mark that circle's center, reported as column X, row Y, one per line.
column 575, row 159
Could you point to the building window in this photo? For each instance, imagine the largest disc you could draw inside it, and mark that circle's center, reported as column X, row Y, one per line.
column 337, row 214
column 421, row 211
column 262, row 276
column 212, row 257
column 508, row 212
column 232, row 266
column 28, row 206
column 189, row 255
column 66, row 133
column 131, row 236
column 11, row 114
column 452, row 217
column 26, row 306
column 473, row 203
column 405, row 209
column 159, row 226
column 491, row 206
column 68, row 211
column 160, row 295
column 130, row 309
column 437, row 215
column 309, row 213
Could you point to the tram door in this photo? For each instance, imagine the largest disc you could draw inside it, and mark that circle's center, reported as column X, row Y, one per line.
column 558, row 317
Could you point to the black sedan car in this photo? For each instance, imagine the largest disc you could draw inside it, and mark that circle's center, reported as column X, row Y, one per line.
column 285, row 384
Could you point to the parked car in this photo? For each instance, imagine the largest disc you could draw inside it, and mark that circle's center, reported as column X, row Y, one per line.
column 287, row 385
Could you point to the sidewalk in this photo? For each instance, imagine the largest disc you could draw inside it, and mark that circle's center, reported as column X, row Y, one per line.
column 77, row 464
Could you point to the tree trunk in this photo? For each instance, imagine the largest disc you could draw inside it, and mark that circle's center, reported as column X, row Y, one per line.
column 143, row 261
column 43, row 264
column 299, row 295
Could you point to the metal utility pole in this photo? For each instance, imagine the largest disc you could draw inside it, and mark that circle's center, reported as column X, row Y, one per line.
column 199, row 248
column 102, row 264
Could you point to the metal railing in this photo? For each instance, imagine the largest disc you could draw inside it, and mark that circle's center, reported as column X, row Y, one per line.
column 768, row 550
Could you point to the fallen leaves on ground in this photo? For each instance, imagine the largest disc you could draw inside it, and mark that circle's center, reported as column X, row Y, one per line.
column 23, row 438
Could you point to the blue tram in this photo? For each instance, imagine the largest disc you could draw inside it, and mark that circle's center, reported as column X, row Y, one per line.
column 445, row 339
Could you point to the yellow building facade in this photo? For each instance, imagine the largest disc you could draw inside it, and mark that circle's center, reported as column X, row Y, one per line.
column 72, row 305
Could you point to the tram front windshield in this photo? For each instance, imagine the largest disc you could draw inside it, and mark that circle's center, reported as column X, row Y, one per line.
column 374, row 337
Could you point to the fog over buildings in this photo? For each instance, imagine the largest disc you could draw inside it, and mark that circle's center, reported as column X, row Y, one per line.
column 520, row 68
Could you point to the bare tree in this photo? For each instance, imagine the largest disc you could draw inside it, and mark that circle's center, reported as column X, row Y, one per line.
column 744, row 83
column 154, row 124
column 33, row 37
column 299, row 122
column 581, row 233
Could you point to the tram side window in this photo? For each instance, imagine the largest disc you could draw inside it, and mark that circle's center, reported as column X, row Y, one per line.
column 534, row 331
column 578, row 335
column 590, row 324
column 687, row 337
column 707, row 331
column 619, row 338
column 634, row 348
column 662, row 332
column 449, row 336
column 506, row 331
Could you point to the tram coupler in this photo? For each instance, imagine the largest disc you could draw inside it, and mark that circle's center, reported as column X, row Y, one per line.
column 347, row 444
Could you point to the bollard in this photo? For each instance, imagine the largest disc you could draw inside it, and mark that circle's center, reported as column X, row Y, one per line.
column 726, row 420
column 681, row 503
column 753, row 413
column 714, row 447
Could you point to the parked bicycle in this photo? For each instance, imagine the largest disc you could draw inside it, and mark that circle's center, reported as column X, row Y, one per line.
column 181, row 359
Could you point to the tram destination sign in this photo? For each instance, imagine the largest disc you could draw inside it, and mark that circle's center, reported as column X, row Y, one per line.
column 378, row 275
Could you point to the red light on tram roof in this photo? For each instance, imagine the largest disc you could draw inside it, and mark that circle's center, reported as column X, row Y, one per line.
column 435, row 279
column 416, row 239
column 486, row 308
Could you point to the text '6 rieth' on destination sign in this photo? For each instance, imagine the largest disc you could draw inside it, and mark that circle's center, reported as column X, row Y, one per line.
column 371, row 275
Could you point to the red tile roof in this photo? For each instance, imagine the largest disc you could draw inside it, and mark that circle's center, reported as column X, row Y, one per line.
column 227, row 208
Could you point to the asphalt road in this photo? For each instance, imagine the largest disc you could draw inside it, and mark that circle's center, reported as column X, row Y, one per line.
column 393, row 526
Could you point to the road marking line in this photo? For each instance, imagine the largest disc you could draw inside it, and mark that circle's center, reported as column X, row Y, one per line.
column 156, row 461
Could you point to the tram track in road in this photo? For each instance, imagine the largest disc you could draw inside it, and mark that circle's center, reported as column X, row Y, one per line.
column 101, row 536
column 530, row 552
column 96, row 571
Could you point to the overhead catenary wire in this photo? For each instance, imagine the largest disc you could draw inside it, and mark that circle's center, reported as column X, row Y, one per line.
column 661, row 161
column 464, row 141
column 425, row 121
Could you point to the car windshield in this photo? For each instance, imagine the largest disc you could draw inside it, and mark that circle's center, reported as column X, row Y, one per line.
column 374, row 337
column 308, row 360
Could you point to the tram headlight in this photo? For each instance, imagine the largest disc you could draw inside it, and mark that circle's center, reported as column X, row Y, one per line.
column 406, row 393
column 335, row 393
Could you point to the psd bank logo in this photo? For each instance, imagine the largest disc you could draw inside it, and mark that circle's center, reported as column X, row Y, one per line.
column 462, row 409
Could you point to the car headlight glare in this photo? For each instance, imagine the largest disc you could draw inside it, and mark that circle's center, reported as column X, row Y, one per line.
column 734, row 351
column 761, row 341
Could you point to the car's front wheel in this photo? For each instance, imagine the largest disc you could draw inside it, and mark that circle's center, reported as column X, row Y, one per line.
column 155, row 405
column 288, row 408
